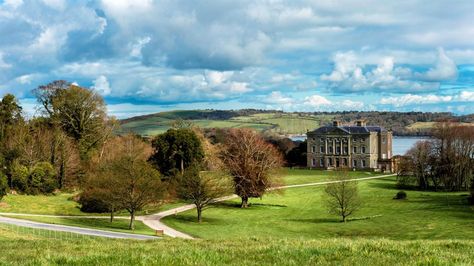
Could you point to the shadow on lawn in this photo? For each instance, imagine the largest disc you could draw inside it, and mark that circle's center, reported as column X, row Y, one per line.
column 315, row 220
column 234, row 205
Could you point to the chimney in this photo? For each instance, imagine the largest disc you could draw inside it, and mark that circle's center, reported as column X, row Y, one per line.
column 336, row 123
column 360, row 123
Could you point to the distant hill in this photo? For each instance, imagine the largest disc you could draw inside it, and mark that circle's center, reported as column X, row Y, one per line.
column 283, row 123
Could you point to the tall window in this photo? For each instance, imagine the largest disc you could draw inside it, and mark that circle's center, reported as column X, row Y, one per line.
column 354, row 149
column 363, row 149
column 313, row 162
column 330, row 149
column 330, row 162
column 354, row 163
column 321, row 149
column 362, row 162
column 321, row 162
column 313, row 149
column 338, row 150
column 346, row 150
column 344, row 161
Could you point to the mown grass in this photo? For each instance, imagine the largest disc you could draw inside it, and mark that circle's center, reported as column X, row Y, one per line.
column 63, row 204
column 303, row 176
column 299, row 213
column 30, row 249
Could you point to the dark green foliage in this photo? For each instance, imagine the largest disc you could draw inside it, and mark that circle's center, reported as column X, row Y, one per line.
column 400, row 195
column 3, row 185
column 41, row 178
column 93, row 202
column 297, row 155
column 176, row 150
column 10, row 113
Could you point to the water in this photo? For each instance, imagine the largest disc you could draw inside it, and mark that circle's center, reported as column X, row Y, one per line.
column 400, row 144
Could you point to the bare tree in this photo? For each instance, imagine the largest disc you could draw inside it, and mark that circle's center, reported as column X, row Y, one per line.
column 421, row 157
column 253, row 163
column 127, row 178
column 203, row 187
column 342, row 197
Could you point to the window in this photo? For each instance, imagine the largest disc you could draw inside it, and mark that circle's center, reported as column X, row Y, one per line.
column 344, row 161
column 346, row 150
column 363, row 149
column 338, row 150
column 330, row 162
column 321, row 162
column 330, row 149
column 362, row 139
column 362, row 162
column 313, row 149
column 321, row 139
column 354, row 163
column 321, row 149
column 313, row 162
column 354, row 149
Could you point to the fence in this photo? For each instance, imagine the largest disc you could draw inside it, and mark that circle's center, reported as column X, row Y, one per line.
column 22, row 231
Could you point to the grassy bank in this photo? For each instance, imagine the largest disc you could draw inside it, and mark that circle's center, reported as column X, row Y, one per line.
column 28, row 249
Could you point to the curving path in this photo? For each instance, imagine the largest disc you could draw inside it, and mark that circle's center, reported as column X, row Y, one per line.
column 153, row 221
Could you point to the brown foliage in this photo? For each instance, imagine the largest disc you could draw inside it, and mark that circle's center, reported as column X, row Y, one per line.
column 252, row 162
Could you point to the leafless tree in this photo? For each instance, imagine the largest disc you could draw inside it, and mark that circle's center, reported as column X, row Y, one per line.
column 342, row 196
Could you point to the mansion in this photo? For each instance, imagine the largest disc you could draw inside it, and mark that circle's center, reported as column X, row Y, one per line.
column 356, row 146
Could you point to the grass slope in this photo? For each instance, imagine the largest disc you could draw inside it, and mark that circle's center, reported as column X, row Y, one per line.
column 30, row 249
column 299, row 213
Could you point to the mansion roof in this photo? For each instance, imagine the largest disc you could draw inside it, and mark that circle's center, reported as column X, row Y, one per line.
column 349, row 129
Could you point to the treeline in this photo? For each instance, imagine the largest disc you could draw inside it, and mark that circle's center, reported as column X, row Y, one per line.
column 446, row 162
column 50, row 152
column 71, row 146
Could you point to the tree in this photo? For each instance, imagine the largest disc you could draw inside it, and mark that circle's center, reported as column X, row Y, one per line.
column 126, row 176
column 3, row 185
column 81, row 113
column 342, row 197
column 252, row 163
column 421, row 158
column 202, row 187
column 176, row 150
column 10, row 113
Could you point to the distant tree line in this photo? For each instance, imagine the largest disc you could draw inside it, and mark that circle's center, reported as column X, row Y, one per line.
column 445, row 162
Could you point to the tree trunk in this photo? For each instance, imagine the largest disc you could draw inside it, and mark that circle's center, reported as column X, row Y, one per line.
column 112, row 215
column 199, row 213
column 182, row 166
column 245, row 201
column 132, row 221
column 343, row 218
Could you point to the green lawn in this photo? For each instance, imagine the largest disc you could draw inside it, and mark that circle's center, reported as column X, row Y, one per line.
column 118, row 225
column 32, row 248
column 304, row 176
column 299, row 213
column 62, row 204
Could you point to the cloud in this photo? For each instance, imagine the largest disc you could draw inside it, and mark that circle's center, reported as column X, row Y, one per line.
column 101, row 85
column 348, row 75
column 411, row 99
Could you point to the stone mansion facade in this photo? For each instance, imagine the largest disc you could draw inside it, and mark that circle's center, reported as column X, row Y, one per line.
column 356, row 146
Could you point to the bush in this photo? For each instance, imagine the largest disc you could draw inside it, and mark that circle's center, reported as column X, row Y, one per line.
column 19, row 177
column 91, row 201
column 42, row 179
column 3, row 185
column 400, row 195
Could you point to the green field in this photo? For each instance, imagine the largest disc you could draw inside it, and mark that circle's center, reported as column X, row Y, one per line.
column 299, row 213
column 34, row 249
column 289, row 228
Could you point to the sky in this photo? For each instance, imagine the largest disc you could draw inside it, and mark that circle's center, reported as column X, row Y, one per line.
column 146, row 56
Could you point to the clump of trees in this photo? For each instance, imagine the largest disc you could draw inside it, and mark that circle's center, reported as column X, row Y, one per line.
column 252, row 162
column 445, row 162
column 52, row 151
column 342, row 197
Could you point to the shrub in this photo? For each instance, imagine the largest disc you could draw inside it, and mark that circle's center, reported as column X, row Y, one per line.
column 91, row 201
column 42, row 179
column 400, row 195
column 19, row 177
column 3, row 185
